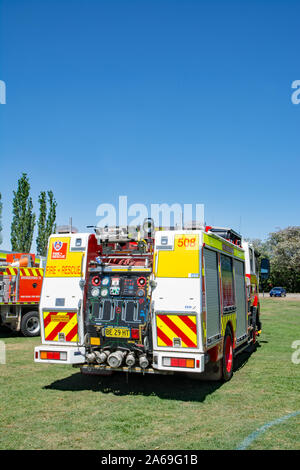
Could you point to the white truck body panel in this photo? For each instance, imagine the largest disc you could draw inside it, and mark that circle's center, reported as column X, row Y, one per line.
column 63, row 294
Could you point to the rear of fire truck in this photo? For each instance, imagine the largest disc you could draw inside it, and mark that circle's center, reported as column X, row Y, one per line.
column 200, row 313
column 95, row 301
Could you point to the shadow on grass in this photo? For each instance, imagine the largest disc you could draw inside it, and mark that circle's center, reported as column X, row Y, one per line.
column 6, row 332
column 241, row 359
column 170, row 387
column 165, row 387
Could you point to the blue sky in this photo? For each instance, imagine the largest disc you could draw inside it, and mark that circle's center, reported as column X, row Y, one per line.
column 162, row 101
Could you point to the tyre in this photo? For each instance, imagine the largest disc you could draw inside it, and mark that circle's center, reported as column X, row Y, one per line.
column 30, row 324
column 227, row 360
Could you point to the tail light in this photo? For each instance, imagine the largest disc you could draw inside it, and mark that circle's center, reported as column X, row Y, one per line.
column 135, row 334
column 57, row 356
column 178, row 362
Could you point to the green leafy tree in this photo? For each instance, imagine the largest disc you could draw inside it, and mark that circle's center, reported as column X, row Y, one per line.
column 283, row 250
column 285, row 258
column 46, row 222
column 23, row 222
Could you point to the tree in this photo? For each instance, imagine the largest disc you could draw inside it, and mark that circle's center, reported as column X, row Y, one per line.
column 23, row 223
column 285, row 258
column 283, row 250
column 46, row 222
column 1, row 205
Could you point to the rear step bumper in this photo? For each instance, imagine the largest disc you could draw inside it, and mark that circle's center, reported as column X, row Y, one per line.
column 67, row 354
column 95, row 369
column 158, row 368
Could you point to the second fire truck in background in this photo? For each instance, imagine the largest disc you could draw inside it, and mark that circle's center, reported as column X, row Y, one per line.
column 21, row 278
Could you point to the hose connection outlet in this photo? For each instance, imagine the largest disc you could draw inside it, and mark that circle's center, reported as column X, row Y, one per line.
column 130, row 360
column 102, row 356
column 143, row 361
column 115, row 359
column 90, row 357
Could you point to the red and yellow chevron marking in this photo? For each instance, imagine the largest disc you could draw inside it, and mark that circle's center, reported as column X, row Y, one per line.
column 7, row 271
column 19, row 303
column 173, row 326
column 60, row 322
column 31, row 271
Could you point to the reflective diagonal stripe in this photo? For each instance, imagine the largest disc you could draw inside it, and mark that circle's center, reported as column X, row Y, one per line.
column 47, row 318
column 71, row 335
column 60, row 322
column 191, row 323
column 58, row 329
column 31, row 272
column 163, row 338
column 10, row 271
column 176, row 326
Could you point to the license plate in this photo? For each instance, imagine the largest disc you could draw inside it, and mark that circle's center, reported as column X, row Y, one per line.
column 117, row 332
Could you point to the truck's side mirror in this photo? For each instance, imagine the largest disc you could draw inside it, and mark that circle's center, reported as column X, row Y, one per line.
column 265, row 268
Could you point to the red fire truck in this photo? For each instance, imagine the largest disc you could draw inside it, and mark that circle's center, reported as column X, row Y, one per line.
column 21, row 278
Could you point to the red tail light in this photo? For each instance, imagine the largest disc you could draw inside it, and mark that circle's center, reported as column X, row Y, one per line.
column 135, row 334
column 57, row 356
column 178, row 362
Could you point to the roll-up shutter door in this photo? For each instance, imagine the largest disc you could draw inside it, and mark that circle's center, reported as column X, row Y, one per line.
column 213, row 323
column 241, row 311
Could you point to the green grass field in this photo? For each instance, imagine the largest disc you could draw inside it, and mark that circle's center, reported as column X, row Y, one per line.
column 54, row 407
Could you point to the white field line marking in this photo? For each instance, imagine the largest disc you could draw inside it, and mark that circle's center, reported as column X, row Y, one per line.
column 246, row 442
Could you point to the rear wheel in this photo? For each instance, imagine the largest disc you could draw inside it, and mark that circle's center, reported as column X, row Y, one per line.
column 30, row 324
column 227, row 361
